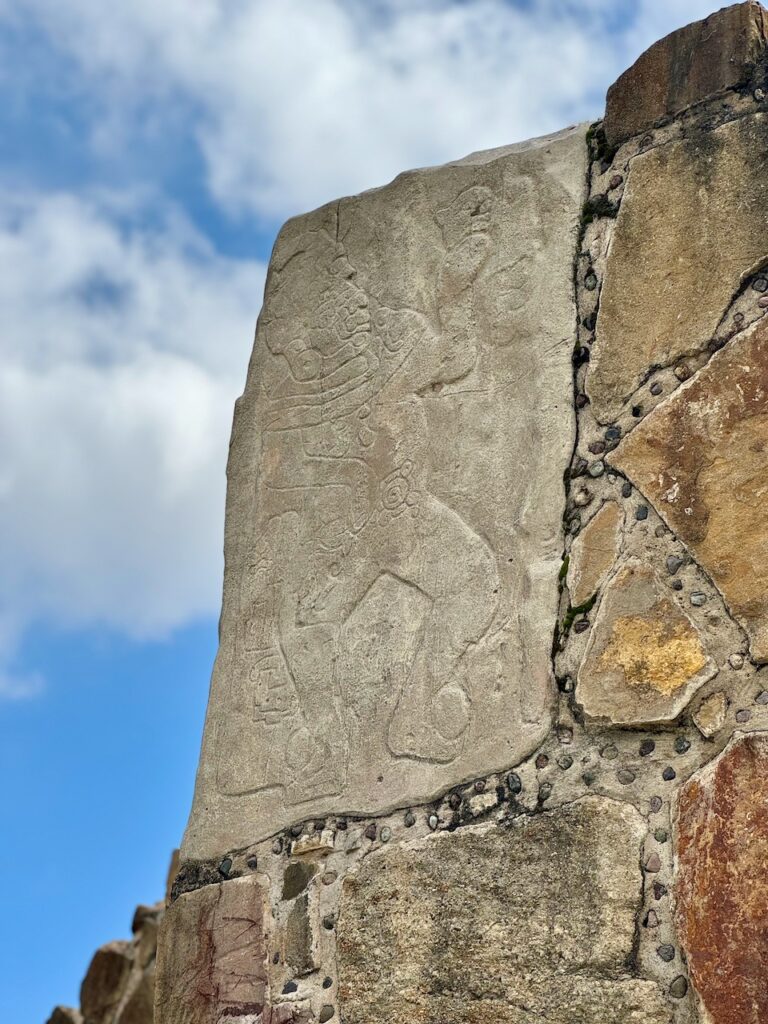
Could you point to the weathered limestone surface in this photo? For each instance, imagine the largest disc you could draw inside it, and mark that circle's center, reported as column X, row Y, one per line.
column 693, row 222
column 645, row 658
column 702, row 458
column 594, row 552
column 119, row 986
column 68, row 1015
column 532, row 921
column 721, row 892
column 685, row 67
column 395, row 497
column 212, row 955
column 105, row 982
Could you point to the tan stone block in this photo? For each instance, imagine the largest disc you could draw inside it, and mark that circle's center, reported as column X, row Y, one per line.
column 535, row 920
column 702, row 458
column 709, row 717
column 298, row 946
column 395, row 488
column 65, row 1015
column 721, row 838
column 693, row 221
column 105, row 981
column 139, row 1005
column 212, row 954
column 173, row 868
column 686, row 67
column 645, row 658
column 593, row 553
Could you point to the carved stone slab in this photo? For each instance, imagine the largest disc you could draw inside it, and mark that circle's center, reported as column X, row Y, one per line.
column 395, row 497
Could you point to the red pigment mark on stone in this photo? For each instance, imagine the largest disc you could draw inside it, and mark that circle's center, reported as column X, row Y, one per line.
column 722, row 882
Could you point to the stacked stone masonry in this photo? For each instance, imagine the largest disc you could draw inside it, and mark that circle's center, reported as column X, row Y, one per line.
column 119, row 986
column 488, row 728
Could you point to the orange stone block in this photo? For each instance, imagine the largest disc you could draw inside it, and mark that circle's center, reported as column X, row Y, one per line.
column 701, row 457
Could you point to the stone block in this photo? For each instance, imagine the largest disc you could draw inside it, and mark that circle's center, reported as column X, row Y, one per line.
column 721, row 895
column 65, row 1015
column 105, row 982
column 685, row 67
column 645, row 658
column 140, row 1001
column 530, row 921
column 395, row 488
column 212, row 954
column 693, row 223
column 593, row 553
column 701, row 457
column 709, row 717
column 297, row 939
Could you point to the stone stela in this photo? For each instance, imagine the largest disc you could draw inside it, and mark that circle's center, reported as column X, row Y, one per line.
column 394, row 522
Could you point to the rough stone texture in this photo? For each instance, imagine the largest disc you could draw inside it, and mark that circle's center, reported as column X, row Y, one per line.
column 66, row 1015
column 395, row 497
column 702, row 458
column 645, row 658
column 721, row 893
column 211, row 962
column 532, row 921
column 173, row 869
column 397, row 817
column 119, row 985
column 140, row 1004
column 685, row 67
column 594, row 553
column 709, row 717
column 297, row 949
column 693, row 221
column 105, row 982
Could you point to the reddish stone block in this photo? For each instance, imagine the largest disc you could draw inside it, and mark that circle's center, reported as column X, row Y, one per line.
column 686, row 67
column 212, row 955
column 722, row 882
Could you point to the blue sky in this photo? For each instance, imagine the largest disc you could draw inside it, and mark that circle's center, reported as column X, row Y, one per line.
column 148, row 154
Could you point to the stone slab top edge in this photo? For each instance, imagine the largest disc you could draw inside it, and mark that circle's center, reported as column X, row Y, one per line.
column 686, row 67
column 477, row 158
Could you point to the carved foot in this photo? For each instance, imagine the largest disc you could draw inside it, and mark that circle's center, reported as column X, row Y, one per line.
column 431, row 730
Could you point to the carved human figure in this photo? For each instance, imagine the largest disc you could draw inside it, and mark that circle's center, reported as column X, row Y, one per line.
column 343, row 498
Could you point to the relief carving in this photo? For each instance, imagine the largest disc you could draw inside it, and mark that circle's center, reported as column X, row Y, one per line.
column 394, row 518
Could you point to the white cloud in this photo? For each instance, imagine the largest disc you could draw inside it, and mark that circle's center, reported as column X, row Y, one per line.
column 123, row 352
column 298, row 101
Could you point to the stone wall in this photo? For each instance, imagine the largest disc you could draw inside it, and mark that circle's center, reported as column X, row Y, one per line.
column 119, row 985
column 488, row 729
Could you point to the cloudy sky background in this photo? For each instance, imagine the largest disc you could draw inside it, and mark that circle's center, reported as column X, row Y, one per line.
column 150, row 150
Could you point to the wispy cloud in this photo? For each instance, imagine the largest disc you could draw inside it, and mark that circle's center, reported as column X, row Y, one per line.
column 298, row 101
column 123, row 351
